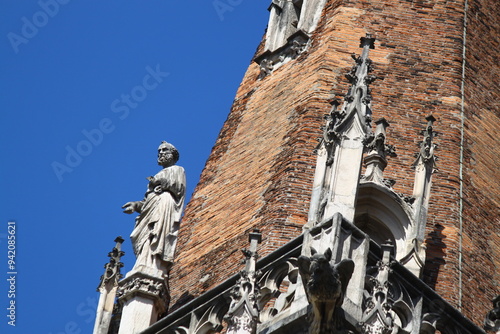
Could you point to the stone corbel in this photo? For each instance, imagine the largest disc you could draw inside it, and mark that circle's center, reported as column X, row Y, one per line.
column 272, row 60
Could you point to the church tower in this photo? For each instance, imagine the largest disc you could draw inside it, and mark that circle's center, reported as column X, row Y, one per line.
column 431, row 57
column 375, row 125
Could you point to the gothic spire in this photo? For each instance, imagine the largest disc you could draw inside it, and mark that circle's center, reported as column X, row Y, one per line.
column 340, row 151
column 358, row 99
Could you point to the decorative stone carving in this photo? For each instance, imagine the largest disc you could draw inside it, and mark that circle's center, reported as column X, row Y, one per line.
column 108, row 289
column 143, row 284
column 429, row 323
column 325, row 286
column 378, row 150
column 436, row 319
column 377, row 316
column 112, row 268
column 266, row 67
column 358, row 98
column 243, row 314
column 340, row 151
column 426, row 154
column 278, row 283
column 492, row 320
column 425, row 166
column 144, row 294
column 202, row 318
column 142, row 299
column 155, row 234
column 283, row 21
column 332, row 119
column 413, row 306
column 210, row 321
column 289, row 16
column 271, row 60
column 388, row 306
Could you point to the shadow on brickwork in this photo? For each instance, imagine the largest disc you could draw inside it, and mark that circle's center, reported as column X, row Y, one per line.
column 434, row 255
column 185, row 298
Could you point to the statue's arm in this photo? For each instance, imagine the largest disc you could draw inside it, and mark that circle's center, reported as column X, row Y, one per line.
column 131, row 207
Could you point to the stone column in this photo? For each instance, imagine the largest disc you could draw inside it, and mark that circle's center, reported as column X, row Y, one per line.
column 143, row 297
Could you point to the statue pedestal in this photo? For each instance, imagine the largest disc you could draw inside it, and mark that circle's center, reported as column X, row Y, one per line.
column 144, row 296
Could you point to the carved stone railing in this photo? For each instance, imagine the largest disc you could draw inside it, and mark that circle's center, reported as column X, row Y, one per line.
column 205, row 314
column 382, row 296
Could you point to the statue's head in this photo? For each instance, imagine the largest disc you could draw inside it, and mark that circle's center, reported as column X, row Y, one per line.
column 167, row 154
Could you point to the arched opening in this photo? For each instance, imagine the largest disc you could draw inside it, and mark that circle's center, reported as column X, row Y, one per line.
column 377, row 230
column 382, row 215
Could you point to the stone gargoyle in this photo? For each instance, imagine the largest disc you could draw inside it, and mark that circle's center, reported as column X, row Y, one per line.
column 325, row 285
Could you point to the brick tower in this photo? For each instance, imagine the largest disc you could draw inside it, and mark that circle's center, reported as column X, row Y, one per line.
column 431, row 57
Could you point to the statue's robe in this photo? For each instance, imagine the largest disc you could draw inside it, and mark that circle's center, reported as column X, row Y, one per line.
column 155, row 234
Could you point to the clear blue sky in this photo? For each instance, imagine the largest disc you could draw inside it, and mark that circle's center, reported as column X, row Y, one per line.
column 127, row 74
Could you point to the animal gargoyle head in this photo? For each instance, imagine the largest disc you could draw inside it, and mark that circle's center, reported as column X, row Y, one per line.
column 325, row 286
column 324, row 281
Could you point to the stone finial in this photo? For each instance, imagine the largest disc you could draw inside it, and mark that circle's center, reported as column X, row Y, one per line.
column 243, row 314
column 112, row 268
column 492, row 320
column 325, row 286
column 427, row 146
column 378, row 150
column 108, row 290
column 358, row 99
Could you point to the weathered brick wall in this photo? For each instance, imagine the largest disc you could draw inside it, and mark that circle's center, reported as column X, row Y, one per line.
column 260, row 172
column 481, row 214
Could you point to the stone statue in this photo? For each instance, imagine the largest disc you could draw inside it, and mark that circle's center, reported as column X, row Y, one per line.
column 325, row 286
column 155, row 234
